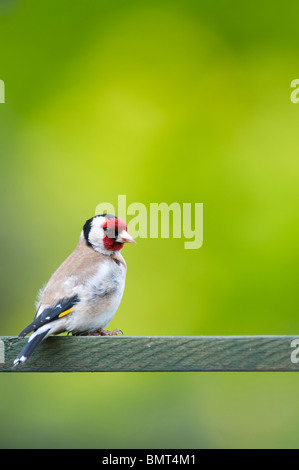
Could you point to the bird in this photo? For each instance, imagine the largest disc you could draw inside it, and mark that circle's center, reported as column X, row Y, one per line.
column 84, row 293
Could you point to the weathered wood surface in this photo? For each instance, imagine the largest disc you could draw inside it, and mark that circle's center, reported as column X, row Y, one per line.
column 155, row 353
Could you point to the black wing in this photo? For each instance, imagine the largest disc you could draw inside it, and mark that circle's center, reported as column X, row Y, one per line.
column 50, row 314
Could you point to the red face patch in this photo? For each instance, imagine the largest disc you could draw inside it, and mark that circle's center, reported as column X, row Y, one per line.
column 112, row 227
column 116, row 225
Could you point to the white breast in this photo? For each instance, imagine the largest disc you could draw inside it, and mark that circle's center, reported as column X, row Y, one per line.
column 100, row 298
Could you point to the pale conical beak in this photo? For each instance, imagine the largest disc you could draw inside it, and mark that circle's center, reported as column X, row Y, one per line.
column 124, row 237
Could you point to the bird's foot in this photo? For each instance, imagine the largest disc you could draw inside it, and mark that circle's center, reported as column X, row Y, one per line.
column 100, row 332
column 115, row 332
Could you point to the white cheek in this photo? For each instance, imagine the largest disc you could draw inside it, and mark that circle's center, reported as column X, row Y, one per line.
column 96, row 233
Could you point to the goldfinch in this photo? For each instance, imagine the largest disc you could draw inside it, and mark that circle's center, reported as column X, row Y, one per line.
column 83, row 294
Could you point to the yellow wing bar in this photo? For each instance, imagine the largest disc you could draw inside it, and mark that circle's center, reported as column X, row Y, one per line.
column 66, row 312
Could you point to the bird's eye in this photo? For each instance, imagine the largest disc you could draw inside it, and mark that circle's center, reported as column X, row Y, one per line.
column 105, row 229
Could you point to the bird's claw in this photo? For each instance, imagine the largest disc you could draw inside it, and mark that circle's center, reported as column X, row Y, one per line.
column 115, row 332
column 101, row 332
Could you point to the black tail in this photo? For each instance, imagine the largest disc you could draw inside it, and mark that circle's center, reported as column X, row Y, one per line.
column 33, row 342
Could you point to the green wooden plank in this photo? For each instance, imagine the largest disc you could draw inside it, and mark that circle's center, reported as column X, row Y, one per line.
column 155, row 353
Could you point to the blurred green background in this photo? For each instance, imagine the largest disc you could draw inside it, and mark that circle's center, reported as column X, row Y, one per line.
column 163, row 101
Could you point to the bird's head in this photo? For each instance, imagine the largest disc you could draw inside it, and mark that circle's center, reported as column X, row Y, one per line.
column 106, row 233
